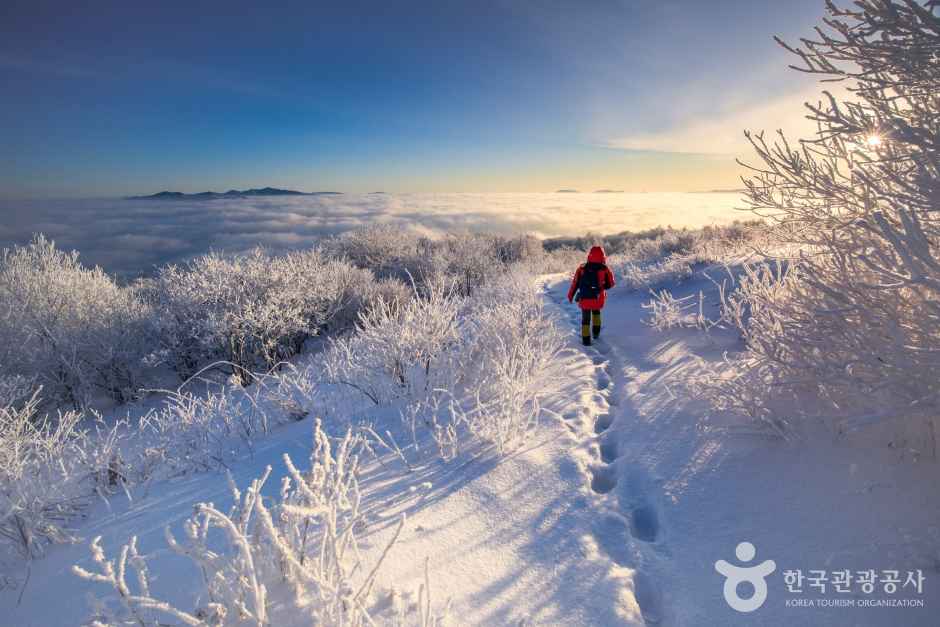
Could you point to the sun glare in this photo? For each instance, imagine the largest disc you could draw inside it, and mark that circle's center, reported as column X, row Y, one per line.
column 873, row 141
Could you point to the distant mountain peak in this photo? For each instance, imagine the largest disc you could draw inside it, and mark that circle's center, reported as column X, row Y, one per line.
column 232, row 193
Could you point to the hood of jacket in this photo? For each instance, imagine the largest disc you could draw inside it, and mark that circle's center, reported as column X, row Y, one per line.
column 597, row 255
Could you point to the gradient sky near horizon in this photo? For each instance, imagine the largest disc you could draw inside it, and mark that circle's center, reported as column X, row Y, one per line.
column 112, row 98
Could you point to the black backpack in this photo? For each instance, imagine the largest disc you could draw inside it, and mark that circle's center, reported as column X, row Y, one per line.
column 589, row 285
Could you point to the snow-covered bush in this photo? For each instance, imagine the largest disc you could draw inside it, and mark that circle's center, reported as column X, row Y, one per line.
column 633, row 275
column 235, row 308
column 202, row 431
column 466, row 259
column 519, row 249
column 399, row 350
column 40, row 475
column 211, row 429
column 300, row 551
column 657, row 243
column 71, row 329
column 15, row 389
column 753, row 298
column 251, row 310
column 670, row 256
column 359, row 291
column 388, row 251
column 558, row 260
column 510, row 350
column 50, row 470
column 851, row 335
column 669, row 312
column 458, row 366
column 470, row 260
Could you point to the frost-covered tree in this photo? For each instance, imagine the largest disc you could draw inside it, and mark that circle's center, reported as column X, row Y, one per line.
column 463, row 367
column 251, row 310
column 71, row 329
column 858, row 326
column 387, row 250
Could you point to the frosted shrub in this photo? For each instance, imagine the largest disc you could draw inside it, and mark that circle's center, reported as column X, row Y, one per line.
column 671, row 242
column 659, row 242
column 668, row 312
column 209, row 430
column 470, row 260
column 399, row 350
column 70, row 328
column 754, row 299
column 388, row 251
column 466, row 259
column 359, row 292
column 300, row 548
column 50, row 470
column 332, row 290
column 234, row 308
column 671, row 256
column 40, row 477
column 252, row 310
column 288, row 393
column 459, row 367
column 15, row 389
column 632, row 275
column 511, row 350
column 558, row 260
column 856, row 328
column 523, row 249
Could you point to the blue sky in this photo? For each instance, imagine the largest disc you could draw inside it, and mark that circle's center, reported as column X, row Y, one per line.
column 111, row 98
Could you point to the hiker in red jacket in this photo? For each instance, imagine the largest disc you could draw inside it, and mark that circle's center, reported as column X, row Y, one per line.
column 589, row 287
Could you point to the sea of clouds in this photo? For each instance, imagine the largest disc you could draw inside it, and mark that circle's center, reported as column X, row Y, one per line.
column 132, row 237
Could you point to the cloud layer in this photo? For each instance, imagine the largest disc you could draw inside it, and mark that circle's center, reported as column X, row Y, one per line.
column 130, row 238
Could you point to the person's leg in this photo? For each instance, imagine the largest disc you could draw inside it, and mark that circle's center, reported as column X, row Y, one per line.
column 596, row 321
column 586, row 327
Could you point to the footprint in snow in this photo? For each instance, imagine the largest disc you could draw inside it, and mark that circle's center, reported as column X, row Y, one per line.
column 602, row 423
column 648, row 597
column 644, row 523
column 604, row 479
column 609, row 452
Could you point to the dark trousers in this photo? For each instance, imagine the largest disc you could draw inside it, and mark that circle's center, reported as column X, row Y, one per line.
column 590, row 324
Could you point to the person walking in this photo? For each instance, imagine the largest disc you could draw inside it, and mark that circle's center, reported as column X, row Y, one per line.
column 589, row 287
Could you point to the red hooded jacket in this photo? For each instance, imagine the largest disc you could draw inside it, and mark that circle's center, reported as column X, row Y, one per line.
column 605, row 278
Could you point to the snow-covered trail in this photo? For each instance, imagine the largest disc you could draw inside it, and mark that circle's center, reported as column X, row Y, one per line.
column 676, row 494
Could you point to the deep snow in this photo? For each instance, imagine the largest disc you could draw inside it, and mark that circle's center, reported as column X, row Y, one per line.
column 615, row 511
